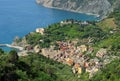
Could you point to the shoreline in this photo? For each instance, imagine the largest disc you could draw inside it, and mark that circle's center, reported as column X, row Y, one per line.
column 91, row 14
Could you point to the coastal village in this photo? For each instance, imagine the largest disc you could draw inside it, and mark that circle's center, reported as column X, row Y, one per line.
column 77, row 57
column 84, row 46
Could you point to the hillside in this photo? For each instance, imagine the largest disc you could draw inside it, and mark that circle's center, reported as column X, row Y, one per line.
column 97, row 7
column 38, row 67
column 70, row 50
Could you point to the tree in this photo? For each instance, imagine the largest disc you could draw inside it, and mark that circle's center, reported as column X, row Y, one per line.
column 13, row 56
column 1, row 51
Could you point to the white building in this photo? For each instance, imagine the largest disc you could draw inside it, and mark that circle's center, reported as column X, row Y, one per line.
column 40, row 30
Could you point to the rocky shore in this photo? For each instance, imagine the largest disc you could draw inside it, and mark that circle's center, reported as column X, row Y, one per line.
column 99, row 8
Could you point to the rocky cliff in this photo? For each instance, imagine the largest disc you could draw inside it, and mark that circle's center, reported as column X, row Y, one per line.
column 97, row 7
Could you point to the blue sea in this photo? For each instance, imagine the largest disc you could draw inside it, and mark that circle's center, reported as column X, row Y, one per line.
column 19, row 17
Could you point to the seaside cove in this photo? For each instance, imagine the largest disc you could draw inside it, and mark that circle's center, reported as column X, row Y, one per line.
column 18, row 18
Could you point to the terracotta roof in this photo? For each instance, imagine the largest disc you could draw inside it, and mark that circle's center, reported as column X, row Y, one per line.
column 69, row 61
column 76, row 65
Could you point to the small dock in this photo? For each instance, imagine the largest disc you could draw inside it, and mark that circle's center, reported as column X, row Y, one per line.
column 12, row 46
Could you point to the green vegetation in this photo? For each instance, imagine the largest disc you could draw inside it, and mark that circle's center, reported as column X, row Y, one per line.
column 109, row 73
column 32, row 68
column 112, row 42
column 36, row 67
column 116, row 15
column 56, row 32
column 112, row 1
column 107, row 24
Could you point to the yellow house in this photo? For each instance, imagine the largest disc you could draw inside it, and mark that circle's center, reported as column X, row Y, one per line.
column 69, row 61
column 83, row 48
column 78, row 68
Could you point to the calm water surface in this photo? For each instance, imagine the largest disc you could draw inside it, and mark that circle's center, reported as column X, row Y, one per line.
column 19, row 17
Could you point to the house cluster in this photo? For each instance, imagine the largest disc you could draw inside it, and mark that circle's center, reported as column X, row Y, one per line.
column 75, row 56
column 102, row 52
column 71, row 21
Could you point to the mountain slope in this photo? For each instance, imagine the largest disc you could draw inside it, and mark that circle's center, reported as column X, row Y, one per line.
column 98, row 7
